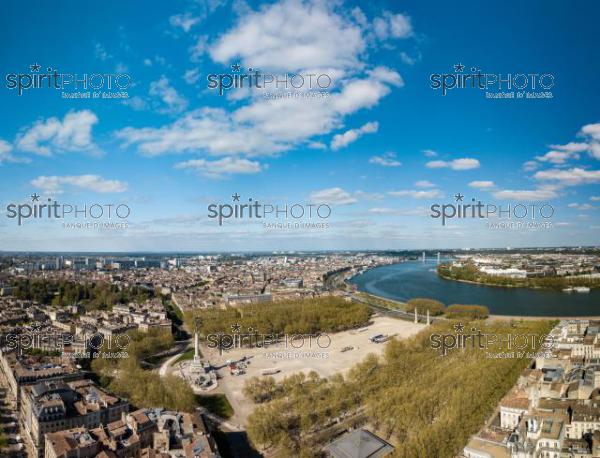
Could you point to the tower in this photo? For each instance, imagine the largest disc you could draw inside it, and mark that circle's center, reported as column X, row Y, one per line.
column 428, row 321
column 196, row 364
column 196, row 349
column 416, row 317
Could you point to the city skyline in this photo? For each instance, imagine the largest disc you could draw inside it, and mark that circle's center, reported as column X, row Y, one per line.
column 380, row 148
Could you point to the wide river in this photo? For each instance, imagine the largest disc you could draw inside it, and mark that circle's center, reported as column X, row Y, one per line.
column 417, row 279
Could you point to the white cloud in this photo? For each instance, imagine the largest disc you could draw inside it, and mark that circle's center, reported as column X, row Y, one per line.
column 526, row 195
column 560, row 154
column 386, row 160
column 343, row 140
column 136, row 102
column 54, row 184
column 6, row 155
column 557, row 157
column 595, row 149
column 283, row 37
column 581, row 207
column 72, row 134
column 424, row 184
column 429, row 153
column 420, row 211
column 383, row 210
column 191, row 76
column 224, row 166
column 408, row 60
column 211, row 130
column 362, row 195
column 332, row 196
column 365, row 92
column 5, row 147
column 245, row 130
column 360, row 17
column 157, row 59
column 198, row 49
column 185, row 21
column 387, row 75
column 5, row 150
column 571, row 177
column 595, row 198
column 592, row 132
column 572, row 147
column 289, row 36
column 482, row 184
column 455, row 164
column 317, row 145
column 392, row 26
column 172, row 100
column 530, row 166
column 417, row 194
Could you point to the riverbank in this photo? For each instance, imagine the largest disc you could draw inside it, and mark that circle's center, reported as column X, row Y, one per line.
column 407, row 280
column 534, row 287
column 526, row 317
column 351, row 274
column 494, row 317
column 473, row 282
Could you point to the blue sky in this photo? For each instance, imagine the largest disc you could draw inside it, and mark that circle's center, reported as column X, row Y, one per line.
column 380, row 148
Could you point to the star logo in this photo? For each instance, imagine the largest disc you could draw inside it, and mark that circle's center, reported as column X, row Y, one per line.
column 236, row 67
column 459, row 197
column 236, row 197
column 458, row 327
column 459, row 67
column 35, row 67
column 236, row 327
column 36, row 328
column 35, row 197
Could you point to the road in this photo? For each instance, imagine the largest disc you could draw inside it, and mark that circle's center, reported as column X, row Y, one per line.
column 183, row 344
column 394, row 313
column 164, row 367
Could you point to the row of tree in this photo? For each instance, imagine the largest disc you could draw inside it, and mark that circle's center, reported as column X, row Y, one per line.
column 307, row 316
column 424, row 304
column 469, row 312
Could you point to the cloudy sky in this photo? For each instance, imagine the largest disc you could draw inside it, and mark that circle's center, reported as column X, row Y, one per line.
column 379, row 144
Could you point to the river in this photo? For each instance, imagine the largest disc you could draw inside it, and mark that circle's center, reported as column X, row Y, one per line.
column 412, row 279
